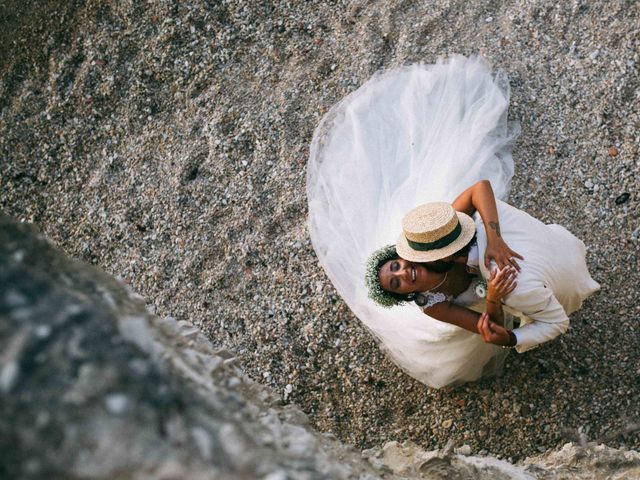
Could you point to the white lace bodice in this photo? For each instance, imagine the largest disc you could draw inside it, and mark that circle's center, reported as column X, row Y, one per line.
column 466, row 299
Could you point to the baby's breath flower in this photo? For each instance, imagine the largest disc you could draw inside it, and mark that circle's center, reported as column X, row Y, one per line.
column 376, row 293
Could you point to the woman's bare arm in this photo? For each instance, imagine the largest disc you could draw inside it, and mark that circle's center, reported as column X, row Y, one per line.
column 480, row 197
column 471, row 321
column 450, row 313
column 494, row 309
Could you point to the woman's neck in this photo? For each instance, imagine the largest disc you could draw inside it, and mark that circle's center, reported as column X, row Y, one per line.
column 457, row 281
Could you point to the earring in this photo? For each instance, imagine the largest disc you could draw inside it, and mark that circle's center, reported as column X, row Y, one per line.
column 420, row 299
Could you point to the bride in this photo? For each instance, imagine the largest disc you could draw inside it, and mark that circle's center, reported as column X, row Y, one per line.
column 417, row 134
column 437, row 265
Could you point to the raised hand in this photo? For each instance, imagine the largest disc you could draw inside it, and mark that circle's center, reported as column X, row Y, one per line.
column 498, row 251
column 494, row 333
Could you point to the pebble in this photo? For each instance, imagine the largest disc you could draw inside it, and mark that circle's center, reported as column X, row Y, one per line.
column 464, row 450
column 117, row 403
column 203, row 442
column 277, row 475
column 14, row 299
column 622, row 198
column 8, row 376
column 43, row 331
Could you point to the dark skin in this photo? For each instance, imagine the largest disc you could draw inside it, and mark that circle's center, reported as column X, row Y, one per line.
column 480, row 198
column 404, row 277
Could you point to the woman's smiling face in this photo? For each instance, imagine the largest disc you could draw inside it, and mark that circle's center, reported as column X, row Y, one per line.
column 402, row 276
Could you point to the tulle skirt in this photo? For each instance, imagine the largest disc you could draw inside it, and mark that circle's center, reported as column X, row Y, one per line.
column 407, row 136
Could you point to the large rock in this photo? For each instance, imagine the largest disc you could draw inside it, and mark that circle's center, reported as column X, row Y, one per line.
column 571, row 462
column 94, row 386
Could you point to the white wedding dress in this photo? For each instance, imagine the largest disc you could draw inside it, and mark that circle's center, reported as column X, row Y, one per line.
column 411, row 135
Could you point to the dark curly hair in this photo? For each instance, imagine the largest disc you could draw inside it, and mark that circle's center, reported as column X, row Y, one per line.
column 388, row 299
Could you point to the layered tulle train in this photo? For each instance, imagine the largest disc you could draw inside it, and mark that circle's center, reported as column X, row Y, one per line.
column 407, row 136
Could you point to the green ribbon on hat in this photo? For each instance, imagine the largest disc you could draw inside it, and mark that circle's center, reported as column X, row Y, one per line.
column 440, row 243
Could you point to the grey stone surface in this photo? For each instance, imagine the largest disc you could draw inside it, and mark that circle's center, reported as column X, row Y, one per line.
column 94, row 386
column 571, row 462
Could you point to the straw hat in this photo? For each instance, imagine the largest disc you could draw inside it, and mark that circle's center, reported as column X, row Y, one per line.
column 433, row 231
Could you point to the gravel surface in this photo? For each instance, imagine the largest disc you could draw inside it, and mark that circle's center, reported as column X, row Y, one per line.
column 166, row 142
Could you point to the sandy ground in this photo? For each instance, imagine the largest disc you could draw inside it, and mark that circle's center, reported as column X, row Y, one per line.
column 166, row 142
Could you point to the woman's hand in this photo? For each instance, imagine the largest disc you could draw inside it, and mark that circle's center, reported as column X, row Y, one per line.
column 501, row 283
column 479, row 197
column 492, row 333
column 498, row 251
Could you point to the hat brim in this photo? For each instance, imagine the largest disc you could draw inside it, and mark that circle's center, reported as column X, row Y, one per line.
column 467, row 233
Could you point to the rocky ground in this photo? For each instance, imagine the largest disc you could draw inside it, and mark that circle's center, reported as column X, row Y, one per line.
column 94, row 386
column 166, row 142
